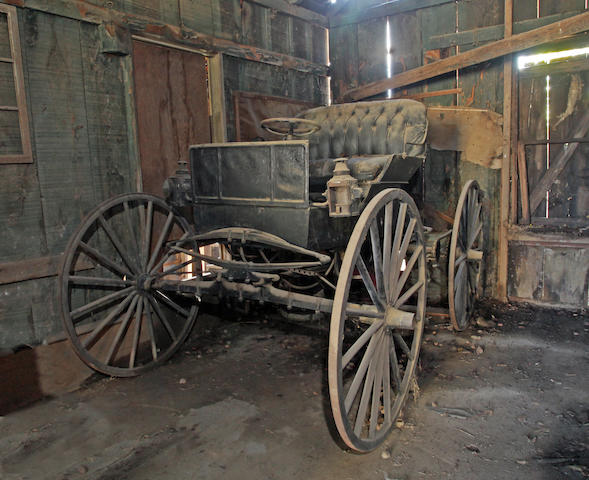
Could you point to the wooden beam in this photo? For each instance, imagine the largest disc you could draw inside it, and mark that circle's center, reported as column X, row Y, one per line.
column 152, row 28
column 523, row 182
column 550, row 176
column 294, row 11
column 217, row 96
column 438, row 93
column 549, row 33
column 505, row 188
column 393, row 7
column 492, row 33
column 30, row 269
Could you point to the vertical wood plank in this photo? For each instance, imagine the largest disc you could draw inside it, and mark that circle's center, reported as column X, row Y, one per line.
column 197, row 15
column 58, row 110
column 343, row 48
column 502, row 260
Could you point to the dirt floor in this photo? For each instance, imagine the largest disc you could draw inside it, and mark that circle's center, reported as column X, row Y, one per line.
column 506, row 399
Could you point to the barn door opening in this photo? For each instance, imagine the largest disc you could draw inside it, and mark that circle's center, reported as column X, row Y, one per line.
column 173, row 109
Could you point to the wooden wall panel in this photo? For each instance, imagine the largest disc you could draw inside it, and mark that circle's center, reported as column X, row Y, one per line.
column 107, row 118
column 438, row 20
column 372, row 51
column 227, row 19
column 550, row 7
column 343, row 52
column 197, row 15
column 58, row 112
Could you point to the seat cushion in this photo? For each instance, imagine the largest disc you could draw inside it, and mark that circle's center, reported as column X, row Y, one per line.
column 368, row 128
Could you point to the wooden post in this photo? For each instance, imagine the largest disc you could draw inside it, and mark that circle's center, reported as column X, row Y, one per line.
column 505, row 168
column 523, row 182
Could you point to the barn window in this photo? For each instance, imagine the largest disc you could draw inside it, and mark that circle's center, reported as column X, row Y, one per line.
column 15, row 142
column 553, row 148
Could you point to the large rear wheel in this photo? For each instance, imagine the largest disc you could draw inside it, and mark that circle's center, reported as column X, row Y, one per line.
column 119, row 322
column 377, row 320
column 466, row 255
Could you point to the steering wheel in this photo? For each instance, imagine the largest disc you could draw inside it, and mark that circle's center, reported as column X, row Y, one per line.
column 290, row 127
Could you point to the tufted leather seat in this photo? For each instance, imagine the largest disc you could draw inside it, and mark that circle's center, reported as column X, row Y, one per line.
column 366, row 132
column 368, row 128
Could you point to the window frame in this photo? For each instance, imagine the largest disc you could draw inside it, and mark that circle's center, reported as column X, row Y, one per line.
column 19, row 85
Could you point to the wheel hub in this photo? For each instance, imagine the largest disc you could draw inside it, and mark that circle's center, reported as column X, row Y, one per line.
column 395, row 318
column 144, row 282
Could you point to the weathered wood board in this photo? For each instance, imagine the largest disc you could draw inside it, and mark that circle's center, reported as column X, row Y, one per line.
column 477, row 133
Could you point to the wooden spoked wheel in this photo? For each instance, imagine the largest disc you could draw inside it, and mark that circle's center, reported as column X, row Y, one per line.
column 466, row 255
column 377, row 320
column 119, row 320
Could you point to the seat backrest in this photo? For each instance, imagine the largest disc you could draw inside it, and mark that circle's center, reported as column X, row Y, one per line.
column 368, row 128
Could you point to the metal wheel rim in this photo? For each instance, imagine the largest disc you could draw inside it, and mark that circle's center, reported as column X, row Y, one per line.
column 464, row 275
column 72, row 253
column 341, row 404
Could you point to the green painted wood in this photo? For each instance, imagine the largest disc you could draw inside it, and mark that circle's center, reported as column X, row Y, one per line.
column 480, row 36
column 372, row 51
column 301, row 39
column 107, row 117
column 382, row 10
column 344, row 56
column 438, row 20
column 4, row 41
column 524, row 10
column 319, row 44
column 197, row 15
column 58, row 112
column 551, row 7
column 482, row 85
column 162, row 10
column 253, row 26
column 227, row 19
column 281, row 33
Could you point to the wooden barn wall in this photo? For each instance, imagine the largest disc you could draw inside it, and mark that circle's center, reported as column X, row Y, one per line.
column 82, row 123
column 423, row 32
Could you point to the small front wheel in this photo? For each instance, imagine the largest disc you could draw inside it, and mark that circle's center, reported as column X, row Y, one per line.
column 377, row 320
column 119, row 319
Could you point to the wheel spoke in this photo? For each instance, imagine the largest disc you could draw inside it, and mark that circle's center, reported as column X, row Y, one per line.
column 99, row 303
column 121, row 331
column 104, row 261
column 409, row 293
column 132, row 234
column 115, row 312
column 359, row 375
column 160, row 242
column 408, row 269
column 117, row 244
column 366, row 391
column 162, row 317
column 99, row 281
column 386, row 389
column 386, row 248
column 368, row 283
column 475, row 234
column 376, row 389
column 172, row 304
column 377, row 258
column 395, row 365
column 150, row 328
column 401, row 342
column 395, row 262
column 137, row 333
column 360, row 342
column 173, row 250
column 146, row 244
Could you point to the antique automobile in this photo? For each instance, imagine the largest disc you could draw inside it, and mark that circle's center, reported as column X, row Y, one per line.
column 323, row 221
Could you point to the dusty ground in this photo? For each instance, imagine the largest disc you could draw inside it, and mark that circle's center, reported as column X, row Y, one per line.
column 508, row 399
